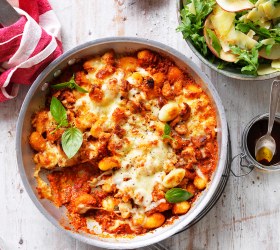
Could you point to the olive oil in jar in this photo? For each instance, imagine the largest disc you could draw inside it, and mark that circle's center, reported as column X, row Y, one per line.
column 258, row 129
column 264, row 156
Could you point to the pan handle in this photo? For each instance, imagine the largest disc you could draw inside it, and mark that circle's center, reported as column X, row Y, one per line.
column 243, row 163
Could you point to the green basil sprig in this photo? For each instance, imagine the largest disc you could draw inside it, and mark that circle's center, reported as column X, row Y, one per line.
column 175, row 195
column 72, row 138
column 71, row 84
column 167, row 131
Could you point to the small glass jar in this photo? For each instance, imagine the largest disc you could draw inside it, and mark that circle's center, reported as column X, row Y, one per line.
column 247, row 160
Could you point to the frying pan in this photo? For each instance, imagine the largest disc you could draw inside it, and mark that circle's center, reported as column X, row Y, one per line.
column 35, row 100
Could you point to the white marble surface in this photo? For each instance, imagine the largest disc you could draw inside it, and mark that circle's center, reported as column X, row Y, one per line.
column 246, row 217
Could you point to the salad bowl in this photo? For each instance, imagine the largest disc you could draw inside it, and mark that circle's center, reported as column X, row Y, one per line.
column 229, row 70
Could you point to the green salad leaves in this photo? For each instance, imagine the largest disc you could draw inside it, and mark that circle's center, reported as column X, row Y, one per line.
column 275, row 2
column 263, row 33
column 193, row 21
column 215, row 41
column 247, row 58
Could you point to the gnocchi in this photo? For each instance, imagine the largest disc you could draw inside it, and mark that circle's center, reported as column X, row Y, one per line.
column 154, row 221
column 174, row 178
column 168, row 112
column 181, row 207
column 108, row 163
column 37, row 141
column 200, row 183
column 109, row 204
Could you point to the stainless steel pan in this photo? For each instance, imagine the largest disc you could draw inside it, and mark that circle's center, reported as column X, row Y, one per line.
column 35, row 99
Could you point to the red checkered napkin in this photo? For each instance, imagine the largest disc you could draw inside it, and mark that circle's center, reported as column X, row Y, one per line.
column 27, row 46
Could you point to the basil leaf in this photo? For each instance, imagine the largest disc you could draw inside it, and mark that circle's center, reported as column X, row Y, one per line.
column 80, row 89
column 61, row 85
column 71, row 140
column 175, row 195
column 215, row 41
column 71, row 84
column 63, row 123
column 58, row 112
column 168, row 137
column 167, row 129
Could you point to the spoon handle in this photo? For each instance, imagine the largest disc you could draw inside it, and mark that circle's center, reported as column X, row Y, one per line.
column 274, row 95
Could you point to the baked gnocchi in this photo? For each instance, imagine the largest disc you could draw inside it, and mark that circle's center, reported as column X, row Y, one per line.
column 145, row 126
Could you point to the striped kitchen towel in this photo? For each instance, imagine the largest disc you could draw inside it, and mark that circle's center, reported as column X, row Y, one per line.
column 27, row 46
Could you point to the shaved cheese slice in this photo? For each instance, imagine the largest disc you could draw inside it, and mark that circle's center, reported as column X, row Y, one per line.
column 236, row 37
column 251, row 33
column 275, row 64
column 259, row 2
column 268, row 41
column 257, row 15
column 223, row 25
column 270, row 10
column 225, row 46
column 266, row 69
column 222, row 21
column 224, row 54
column 274, row 53
column 192, row 8
column 235, row 5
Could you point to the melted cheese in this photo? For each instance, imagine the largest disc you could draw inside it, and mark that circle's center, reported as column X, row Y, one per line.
column 104, row 111
column 144, row 165
column 138, row 185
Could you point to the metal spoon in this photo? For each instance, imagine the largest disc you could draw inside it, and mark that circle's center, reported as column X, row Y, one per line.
column 265, row 147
